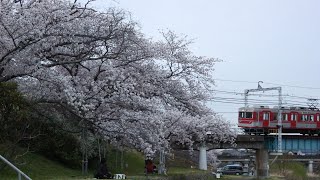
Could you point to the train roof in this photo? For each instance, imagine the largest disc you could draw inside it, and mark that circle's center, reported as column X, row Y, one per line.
column 252, row 108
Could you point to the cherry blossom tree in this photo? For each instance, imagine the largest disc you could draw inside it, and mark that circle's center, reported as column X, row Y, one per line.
column 146, row 94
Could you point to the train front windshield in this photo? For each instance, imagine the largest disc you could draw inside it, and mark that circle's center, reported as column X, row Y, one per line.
column 248, row 115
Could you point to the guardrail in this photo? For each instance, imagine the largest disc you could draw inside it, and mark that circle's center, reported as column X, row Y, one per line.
column 20, row 173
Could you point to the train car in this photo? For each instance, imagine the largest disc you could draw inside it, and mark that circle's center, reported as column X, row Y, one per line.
column 264, row 120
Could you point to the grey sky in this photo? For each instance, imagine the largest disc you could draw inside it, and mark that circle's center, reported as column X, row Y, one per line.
column 273, row 41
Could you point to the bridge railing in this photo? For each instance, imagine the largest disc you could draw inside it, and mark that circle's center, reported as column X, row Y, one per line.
column 303, row 152
column 20, row 173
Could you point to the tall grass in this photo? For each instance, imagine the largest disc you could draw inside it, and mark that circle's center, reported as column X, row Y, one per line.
column 290, row 170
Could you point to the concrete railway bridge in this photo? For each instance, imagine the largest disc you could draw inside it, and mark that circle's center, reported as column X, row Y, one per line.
column 265, row 145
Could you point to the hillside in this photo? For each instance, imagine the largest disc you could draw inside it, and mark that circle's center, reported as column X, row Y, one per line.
column 39, row 167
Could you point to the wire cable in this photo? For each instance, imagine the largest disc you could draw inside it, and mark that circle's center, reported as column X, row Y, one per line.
column 278, row 84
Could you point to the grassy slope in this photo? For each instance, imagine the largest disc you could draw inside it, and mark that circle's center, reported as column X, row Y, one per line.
column 38, row 167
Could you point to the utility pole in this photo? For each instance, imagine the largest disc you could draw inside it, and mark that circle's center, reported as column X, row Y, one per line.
column 246, row 94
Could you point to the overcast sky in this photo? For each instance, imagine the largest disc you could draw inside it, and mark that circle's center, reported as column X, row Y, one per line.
column 272, row 41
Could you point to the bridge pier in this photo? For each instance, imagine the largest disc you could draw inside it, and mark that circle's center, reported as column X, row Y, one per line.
column 262, row 164
column 203, row 157
column 310, row 167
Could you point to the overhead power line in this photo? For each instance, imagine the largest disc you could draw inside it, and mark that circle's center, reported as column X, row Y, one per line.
column 259, row 94
column 253, row 100
column 259, row 103
column 286, row 85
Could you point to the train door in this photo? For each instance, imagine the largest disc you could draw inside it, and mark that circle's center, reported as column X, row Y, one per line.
column 285, row 121
column 293, row 119
column 317, row 119
column 265, row 119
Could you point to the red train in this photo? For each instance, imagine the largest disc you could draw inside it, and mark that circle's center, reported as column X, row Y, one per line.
column 264, row 120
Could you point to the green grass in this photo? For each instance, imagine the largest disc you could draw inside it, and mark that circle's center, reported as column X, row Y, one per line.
column 293, row 170
column 181, row 170
column 133, row 162
column 38, row 167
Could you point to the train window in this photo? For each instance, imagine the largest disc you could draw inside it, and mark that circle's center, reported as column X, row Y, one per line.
column 265, row 116
column 275, row 116
column 248, row 114
column 311, row 118
column 285, row 117
column 293, row 117
column 304, row 117
column 245, row 114
column 318, row 117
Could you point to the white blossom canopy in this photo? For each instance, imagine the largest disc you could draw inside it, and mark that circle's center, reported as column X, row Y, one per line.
column 144, row 93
